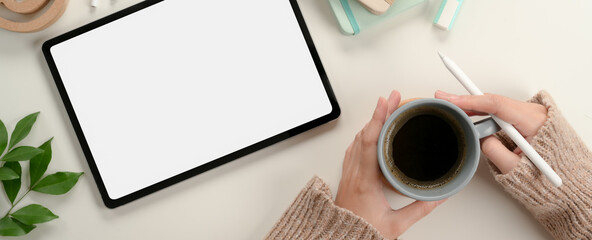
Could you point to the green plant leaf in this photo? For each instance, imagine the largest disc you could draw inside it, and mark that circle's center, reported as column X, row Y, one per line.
column 7, row 174
column 33, row 214
column 25, row 227
column 3, row 137
column 12, row 187
column 22, row 129
column 57, row 183
column 11, row 227
column 38, row 164
column 21, row 153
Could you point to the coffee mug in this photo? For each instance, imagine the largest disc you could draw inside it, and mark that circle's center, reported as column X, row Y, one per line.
column 428, row 149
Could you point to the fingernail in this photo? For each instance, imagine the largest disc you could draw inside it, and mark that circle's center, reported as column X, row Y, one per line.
column 447, row 96
column 452, row 97
column 441, row 94
column 392, row 95
column 379, row 104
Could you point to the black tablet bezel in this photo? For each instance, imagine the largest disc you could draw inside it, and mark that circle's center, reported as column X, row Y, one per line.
column 113, row 203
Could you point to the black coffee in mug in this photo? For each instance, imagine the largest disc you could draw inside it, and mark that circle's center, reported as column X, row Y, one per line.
column 427, row 147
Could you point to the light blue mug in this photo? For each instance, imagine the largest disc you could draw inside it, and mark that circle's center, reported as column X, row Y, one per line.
column 468, row 135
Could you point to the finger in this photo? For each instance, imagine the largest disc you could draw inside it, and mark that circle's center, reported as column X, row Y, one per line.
column 393, row 102
column 351, row 163
column 504, row 159
column 372, row 129
column 517, row 151
column 410, row 214
column 473, row 113
column 347, row 160
column 446, row 96
column 442, row 95
column 503, row 107
column 526, row 117
column 369, row 140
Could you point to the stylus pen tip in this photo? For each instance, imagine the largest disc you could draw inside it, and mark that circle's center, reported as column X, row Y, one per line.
column 441, row 55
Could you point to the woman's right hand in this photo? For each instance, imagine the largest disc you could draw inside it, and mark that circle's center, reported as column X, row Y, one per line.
column 527, row 118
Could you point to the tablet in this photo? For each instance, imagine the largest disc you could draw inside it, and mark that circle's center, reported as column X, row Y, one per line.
column 165, row 90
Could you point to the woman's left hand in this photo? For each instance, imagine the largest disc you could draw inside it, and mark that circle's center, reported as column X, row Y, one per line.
column 361, row 186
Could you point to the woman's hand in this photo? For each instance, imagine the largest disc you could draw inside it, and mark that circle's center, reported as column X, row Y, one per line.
column 527, row 118
column 361, row 185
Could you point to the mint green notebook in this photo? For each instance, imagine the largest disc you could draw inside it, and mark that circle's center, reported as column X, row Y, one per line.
column 354, row 18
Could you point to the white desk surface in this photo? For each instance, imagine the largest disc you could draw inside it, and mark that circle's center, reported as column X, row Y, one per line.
column 508, row 47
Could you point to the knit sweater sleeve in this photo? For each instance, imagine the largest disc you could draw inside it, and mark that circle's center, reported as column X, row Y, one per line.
column 313, row 215
column 566, row 211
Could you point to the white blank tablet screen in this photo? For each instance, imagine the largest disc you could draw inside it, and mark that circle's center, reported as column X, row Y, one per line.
column 182, row 83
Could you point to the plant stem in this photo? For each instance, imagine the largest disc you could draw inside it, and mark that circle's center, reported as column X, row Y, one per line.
column 17, row 202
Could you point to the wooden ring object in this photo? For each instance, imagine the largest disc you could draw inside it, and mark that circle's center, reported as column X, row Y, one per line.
column 50, row 16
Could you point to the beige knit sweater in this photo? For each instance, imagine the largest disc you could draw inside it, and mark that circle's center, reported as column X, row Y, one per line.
column 566, row 212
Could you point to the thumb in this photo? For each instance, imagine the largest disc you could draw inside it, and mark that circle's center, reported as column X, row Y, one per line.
column 504, row 159
column 410, row 214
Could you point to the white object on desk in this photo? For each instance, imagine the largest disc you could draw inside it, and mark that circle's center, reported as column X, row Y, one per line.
column 528, row 150
column 447, row 13
column 94, row 3
column 171, row 97
column 377, row 7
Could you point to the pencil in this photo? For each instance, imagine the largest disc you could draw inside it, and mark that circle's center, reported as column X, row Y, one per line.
column 528, row 150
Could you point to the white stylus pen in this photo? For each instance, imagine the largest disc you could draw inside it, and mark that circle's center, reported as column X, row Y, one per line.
column 534, row 157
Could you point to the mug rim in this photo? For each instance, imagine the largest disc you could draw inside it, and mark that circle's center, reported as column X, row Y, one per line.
column 382, row 159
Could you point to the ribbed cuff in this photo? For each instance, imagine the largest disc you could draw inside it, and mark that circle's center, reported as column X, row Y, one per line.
column 313, row 215
column 566, row 211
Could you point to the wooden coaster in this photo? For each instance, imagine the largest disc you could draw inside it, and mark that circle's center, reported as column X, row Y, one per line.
column 50, row 16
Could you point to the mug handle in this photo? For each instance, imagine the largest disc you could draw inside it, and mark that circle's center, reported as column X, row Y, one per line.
column 486, row 127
